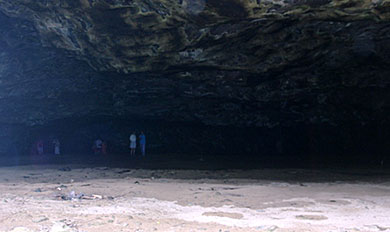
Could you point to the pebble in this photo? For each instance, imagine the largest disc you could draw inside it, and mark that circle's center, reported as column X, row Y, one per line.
column 42, row 219
column 272, row 228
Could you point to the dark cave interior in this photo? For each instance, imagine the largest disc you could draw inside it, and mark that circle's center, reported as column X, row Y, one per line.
column 179, row 145
column 212, row 84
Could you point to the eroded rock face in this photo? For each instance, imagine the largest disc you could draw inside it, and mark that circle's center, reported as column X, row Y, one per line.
column 219, row 62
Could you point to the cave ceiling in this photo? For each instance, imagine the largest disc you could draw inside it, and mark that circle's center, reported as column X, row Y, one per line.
column 256, row 63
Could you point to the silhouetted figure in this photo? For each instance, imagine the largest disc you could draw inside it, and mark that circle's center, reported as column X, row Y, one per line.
column 40, row 147
column 104, row 148
column 97, row 146
column 142, row 143
column 56, row 144
column 133, row 143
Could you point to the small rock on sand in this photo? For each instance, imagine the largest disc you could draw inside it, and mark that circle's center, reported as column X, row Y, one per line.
column 42, row 219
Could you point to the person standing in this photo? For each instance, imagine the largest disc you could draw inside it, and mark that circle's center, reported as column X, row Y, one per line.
column 40, row 147
column 104, row 148
column 97, row 146
column 56, row 144
column 142, row 142
column 133, row 143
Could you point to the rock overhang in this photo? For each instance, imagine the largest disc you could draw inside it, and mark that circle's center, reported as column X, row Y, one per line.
column 225, row 62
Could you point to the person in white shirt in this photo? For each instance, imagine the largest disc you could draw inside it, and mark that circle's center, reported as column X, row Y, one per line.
column 56, row 144
column 133, row 143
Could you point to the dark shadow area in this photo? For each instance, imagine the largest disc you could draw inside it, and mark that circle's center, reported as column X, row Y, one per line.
column 195, row 146
column 331, row 109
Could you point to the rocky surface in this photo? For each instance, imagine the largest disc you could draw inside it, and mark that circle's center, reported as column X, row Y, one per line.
column 230, row 62
column 263, row 64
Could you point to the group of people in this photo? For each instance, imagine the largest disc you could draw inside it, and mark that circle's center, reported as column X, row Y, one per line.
column 39, row 147
column 133, row 143
column 99, row 146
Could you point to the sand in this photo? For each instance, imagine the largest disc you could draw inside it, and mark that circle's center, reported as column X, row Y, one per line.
column 101, row 199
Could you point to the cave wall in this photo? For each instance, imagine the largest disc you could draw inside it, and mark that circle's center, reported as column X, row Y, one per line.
column 303, row 77
column 242, row 63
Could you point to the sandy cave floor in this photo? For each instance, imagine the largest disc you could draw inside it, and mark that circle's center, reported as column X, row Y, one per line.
column 67, row 198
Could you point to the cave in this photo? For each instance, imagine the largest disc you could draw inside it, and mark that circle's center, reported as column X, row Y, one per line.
column 258, row 115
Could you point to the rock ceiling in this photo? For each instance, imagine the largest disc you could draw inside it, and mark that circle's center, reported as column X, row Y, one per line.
column 220, row 62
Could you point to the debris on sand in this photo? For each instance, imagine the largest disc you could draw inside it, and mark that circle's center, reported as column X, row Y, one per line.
column 71, row 196
column 81, row 196
column 59, row 188
column 61, row 227
column 94, row 196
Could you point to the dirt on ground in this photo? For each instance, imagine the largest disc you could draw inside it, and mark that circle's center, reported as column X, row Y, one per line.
column 69, row 199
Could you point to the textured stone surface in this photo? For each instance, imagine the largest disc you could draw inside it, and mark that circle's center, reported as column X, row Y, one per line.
column 219, row 62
